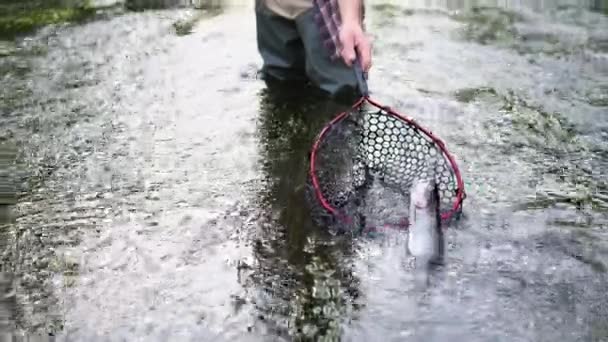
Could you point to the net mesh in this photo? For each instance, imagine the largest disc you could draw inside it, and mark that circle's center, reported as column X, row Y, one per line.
column 364, row 162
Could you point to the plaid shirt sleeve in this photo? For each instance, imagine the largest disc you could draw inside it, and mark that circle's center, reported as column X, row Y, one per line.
column 327, row 16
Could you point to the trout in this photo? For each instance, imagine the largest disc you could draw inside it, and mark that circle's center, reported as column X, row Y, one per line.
column 425, row 236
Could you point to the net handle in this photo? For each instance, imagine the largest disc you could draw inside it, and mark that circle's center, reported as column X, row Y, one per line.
column 360, row 76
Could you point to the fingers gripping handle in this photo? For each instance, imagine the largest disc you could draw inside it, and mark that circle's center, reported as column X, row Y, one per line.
column 360, row 77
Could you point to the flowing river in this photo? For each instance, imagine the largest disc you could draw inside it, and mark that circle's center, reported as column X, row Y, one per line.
column 162, row 186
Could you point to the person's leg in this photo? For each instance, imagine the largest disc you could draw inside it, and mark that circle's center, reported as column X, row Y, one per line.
column 280, row 46
column 335, row 77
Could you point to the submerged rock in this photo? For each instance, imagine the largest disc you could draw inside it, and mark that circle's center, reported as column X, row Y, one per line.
column 7, row 48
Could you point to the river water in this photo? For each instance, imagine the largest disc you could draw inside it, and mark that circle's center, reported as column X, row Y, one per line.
column 162, row 183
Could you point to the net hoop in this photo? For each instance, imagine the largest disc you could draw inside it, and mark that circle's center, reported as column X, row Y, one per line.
column 446, row 216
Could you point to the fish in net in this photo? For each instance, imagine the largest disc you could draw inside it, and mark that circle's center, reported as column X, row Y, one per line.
column 364, row 162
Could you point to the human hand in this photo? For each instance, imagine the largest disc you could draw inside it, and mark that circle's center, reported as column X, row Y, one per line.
column 354, row 39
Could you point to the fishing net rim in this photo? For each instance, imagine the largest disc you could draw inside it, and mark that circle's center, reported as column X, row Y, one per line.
column 460, row 195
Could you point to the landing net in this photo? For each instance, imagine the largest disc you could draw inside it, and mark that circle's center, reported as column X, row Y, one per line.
column 363, row 163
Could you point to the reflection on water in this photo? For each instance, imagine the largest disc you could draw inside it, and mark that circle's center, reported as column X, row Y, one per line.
column 8, row 190
column 8, row 301
column 305, row 280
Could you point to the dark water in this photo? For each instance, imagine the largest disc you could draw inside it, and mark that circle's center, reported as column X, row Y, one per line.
column 162, row 183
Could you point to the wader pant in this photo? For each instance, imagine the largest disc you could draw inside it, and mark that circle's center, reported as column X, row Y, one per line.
column 293, row 50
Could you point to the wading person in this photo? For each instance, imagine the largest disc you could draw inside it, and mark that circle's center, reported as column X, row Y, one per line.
column 313, row 40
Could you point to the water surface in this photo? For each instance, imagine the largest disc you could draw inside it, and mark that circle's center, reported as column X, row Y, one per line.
column 162, row 182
